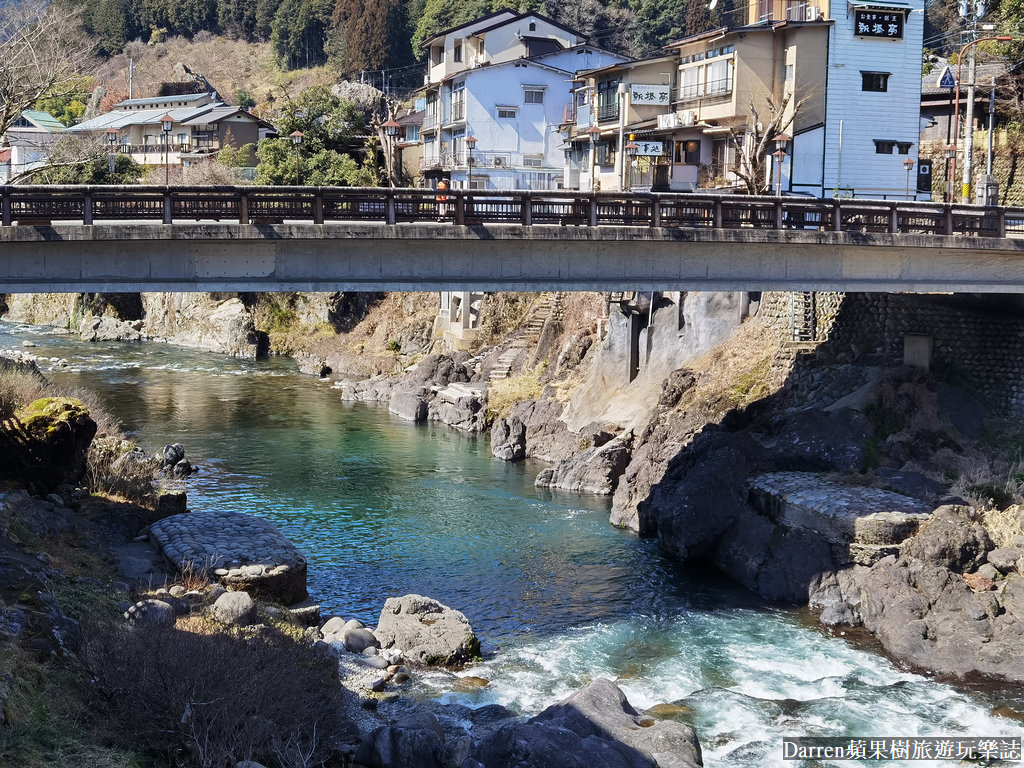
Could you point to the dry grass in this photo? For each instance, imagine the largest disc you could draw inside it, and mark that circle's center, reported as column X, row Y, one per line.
column 504, row 394
column 1005, row 526
column 502, row 312
column 738, row 371
column 228, row 64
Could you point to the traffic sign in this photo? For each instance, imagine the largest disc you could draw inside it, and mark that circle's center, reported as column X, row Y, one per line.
column 946, row 79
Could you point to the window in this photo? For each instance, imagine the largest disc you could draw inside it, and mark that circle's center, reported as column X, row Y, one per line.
column 903, row 147
column 687, row 152
column 533, row 162
column 884, row 146
column 507, row 113
column 533, row 26
column 608, row 100
column 605, row 153
column 874, row 81
column 412, row 133
column 789, row 72
column 457, row 53
column 533, row 96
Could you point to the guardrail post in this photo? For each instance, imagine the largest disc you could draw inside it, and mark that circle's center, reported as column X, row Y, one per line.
column 778, row 214
column 948, row 220
column 592, row 210
column 243, row 209
column 5, row 208
column 656, row 212
column 1001, row 222
column 527, row 210
column 87, row 211
column 460, row 208
column 837, row 216
column 168, row 211
column 318, row 208
column 894, row 219
column 716, row 214
column 390, row 209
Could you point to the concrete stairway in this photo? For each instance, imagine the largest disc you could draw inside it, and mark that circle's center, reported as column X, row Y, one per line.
column 549, row 305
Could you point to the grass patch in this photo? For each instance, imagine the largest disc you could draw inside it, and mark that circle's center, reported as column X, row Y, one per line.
column 504, row 394
column 1004, row 526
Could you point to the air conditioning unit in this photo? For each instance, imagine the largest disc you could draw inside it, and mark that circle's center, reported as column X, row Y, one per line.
column 498, row 162
column 669, row 120
column 687, row 117
column 812, row 13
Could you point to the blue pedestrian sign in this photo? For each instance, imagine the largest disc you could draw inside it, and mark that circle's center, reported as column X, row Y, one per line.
column 946, row 79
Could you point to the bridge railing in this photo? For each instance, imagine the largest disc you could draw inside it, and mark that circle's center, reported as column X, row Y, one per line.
column 264, row 205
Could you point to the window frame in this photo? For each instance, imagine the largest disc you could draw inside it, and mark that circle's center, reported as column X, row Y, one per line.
column 872, row 81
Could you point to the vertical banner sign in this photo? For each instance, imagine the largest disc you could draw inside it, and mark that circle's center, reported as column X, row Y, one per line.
column 648, row 94
column 877, row 23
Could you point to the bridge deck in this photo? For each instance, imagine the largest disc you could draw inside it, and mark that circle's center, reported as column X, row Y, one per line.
column 148, row 239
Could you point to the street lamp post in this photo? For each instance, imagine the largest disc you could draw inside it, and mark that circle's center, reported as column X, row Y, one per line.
column 112, row 146
column 297, row 141
column 781, row 141
column 593, row 132
column 166, row 124
column 620, row 162
column 909, row 165
column 631, row 149
column 391, row 129
column 470, row 146
column 965, row 189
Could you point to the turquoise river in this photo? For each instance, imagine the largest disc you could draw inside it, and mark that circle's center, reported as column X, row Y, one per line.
column 383, row 508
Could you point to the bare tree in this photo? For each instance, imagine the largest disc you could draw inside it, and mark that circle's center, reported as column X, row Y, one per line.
column 753, row 142
column 42, row 49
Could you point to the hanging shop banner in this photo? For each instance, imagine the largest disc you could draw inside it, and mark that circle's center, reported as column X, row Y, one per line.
column 878, row 23
column 648, row 94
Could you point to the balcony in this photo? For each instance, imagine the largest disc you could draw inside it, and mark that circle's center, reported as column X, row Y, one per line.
column 606, row 112
column 430, row 123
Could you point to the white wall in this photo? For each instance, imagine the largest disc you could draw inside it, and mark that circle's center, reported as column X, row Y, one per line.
column 865, row 116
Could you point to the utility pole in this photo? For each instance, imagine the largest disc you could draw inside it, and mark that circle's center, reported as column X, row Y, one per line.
column 965, row 188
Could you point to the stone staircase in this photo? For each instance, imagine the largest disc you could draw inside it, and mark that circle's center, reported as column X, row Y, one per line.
column 548, row 306
column 803, row 318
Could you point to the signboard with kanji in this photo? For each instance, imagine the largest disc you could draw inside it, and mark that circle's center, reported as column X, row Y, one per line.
column 648, row 94
column 878, row 23
column 650, row 148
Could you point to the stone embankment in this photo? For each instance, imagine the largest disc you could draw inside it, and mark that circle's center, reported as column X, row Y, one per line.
column 244, row 552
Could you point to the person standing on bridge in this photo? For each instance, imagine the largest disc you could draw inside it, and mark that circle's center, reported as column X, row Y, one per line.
column 442, row 200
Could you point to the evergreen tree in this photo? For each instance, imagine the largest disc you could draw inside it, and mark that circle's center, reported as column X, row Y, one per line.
column 374, row 35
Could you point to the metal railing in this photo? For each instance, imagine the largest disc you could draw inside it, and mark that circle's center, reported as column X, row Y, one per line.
column 40, row 205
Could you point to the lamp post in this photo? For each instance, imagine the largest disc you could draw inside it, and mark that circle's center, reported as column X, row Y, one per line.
column 965, row 189
column 950, row 154
column 297, row 141
column 620, row 164
column 470, row 146
column 112, row 146
column 631, row 149
column 909, row 165
column 781, row 141
column 391, row 129
column 166, row 124
column 593, row 132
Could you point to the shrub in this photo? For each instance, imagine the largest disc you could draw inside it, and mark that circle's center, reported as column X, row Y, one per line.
column 215, row 699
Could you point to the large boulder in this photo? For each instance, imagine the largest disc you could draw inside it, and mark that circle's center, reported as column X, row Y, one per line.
column 426, row 632
column 508, row 439
column 236, row 609
column 462, row 406
column 951, row 540
column 594, row 470
column 105, row 328
column 416, row 741
column 594, row 727
column 45, row 444
column 702, row 493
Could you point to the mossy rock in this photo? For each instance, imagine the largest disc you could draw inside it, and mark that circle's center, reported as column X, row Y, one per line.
column 46, row 443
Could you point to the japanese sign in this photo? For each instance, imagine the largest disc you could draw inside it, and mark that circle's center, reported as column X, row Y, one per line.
column 875, row 23
column 650, row 148
column 648, row 94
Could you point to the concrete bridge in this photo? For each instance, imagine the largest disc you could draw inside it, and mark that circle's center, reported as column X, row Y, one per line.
column 130, row 239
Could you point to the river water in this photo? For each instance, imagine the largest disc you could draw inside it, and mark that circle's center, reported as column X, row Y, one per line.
column 383, row 508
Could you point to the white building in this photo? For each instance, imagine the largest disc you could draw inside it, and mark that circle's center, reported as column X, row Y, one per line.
column 29, row 142
column 504, row 80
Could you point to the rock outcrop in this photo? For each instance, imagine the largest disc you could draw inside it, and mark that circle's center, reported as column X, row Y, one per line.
column 594, row 470
column 45, row 443
column 426, row 632
column 217, row 322
column 103, row 328
column 596, row 726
